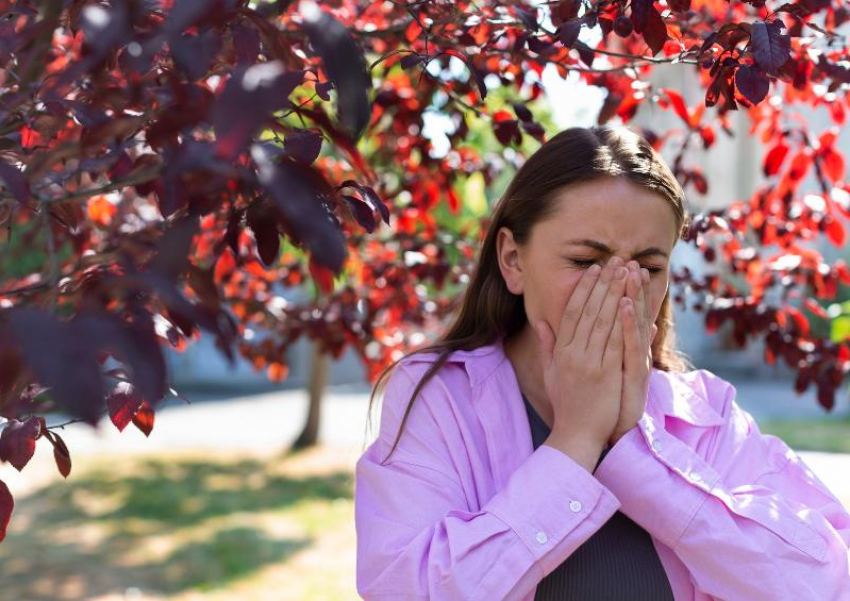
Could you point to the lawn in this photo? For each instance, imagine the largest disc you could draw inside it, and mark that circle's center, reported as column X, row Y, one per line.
column 185, row 527
column 820, row 434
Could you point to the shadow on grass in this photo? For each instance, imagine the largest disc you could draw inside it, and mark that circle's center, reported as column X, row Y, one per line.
column 93, row 534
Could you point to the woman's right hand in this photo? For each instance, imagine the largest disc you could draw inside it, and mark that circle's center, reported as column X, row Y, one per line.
column 583, row 364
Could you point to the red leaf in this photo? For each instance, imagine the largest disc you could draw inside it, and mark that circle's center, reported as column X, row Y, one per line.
column 800, row 166
column 833, row 165
column 323, row 276
column 815, row 308
column 678, row 105
column 454, row 203
column 774, row 158
column 17, row 441
column 224, row 266
column 7, row 504
column 122, row 405
column 60, row 453
column 143, row 419
column 800, row 319
column 835, row 232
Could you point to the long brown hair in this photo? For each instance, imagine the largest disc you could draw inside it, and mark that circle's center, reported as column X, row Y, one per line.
column 488, row 309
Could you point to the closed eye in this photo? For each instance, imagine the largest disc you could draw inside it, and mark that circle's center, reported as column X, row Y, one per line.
column 581, row 263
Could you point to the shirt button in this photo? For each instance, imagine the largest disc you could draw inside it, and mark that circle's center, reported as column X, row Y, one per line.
column 695, row 477
column 541, row 537
column 656, row 444
column 575, row 506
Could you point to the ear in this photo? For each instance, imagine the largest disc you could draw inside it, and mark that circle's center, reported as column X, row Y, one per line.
column 507, row 253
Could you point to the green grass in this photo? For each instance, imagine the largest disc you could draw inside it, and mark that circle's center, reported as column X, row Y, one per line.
column 174, row 527
column 821, row 434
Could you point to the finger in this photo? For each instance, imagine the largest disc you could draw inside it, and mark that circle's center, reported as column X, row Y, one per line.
column 601, row 329
column 635, row 282
column 575, row 305
column 641, row 312
column 631, row 335
column 547, row 341
column 591, row 307
column 647, row 308
column 613, row 353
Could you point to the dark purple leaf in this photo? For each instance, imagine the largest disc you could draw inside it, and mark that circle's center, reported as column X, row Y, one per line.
column 655, row 31
column 752, row 82
column 568, row 32
column 410, row 60
column 17, row 441
column 343, row 61
column 172, row 257
column 246, row 44
column 184, row 314
column 522, row 111
column 231, row 236
column 300, row 194
column 322, row 89
column 13, row 179
column 135, row 344
column 363, row 213
column 62, row 358
column 262, row 221
column 528, row 17
column 303, row 145
column 370, row 196
column 104, row 27
column 585, row 53
column 770, row 47
column 507, row 131
column 640, row 13
column 193, row 54
column 250, row 96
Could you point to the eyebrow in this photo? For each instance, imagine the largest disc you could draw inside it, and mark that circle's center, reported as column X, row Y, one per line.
column 653, row 250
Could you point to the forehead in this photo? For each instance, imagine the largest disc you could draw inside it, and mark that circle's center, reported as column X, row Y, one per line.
column 616, row 212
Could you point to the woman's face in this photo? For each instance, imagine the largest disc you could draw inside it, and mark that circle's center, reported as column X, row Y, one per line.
column 594, row 221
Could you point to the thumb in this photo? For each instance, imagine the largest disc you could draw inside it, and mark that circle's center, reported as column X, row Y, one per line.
column 547, row 341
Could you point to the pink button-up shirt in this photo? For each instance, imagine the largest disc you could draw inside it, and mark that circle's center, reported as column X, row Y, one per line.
column 466, row 508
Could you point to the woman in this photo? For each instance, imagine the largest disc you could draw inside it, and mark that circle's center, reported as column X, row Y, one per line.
column 554, row 445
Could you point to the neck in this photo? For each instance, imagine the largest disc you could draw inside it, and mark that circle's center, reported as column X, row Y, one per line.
column 523, row 351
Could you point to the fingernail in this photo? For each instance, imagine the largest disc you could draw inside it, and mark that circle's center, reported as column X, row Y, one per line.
column 621, row 272
column 595, row 269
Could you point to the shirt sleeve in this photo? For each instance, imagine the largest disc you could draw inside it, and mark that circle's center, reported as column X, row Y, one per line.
column 421, row 533
column 745, row 514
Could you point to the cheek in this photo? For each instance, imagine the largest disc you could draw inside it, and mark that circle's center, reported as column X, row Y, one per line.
column 561, row 291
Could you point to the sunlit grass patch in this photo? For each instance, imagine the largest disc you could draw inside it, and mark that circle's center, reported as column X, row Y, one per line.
column 182, row 526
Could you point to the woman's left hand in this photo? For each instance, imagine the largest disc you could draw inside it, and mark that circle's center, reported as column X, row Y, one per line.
column 638, row 334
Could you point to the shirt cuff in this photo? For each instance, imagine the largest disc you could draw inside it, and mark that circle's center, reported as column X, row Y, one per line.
column 549, row 496
column 654, row 496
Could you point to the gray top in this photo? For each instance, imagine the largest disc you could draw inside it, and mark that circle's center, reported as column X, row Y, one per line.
column 618, row 562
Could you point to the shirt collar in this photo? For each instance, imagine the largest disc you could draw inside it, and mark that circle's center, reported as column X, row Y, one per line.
column 675, row 394
column 670, row 393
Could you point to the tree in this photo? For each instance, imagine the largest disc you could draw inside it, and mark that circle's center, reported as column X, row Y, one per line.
column 169, row 167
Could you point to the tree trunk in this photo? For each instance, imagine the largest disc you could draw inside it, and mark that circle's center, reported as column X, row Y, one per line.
column 315, row 388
